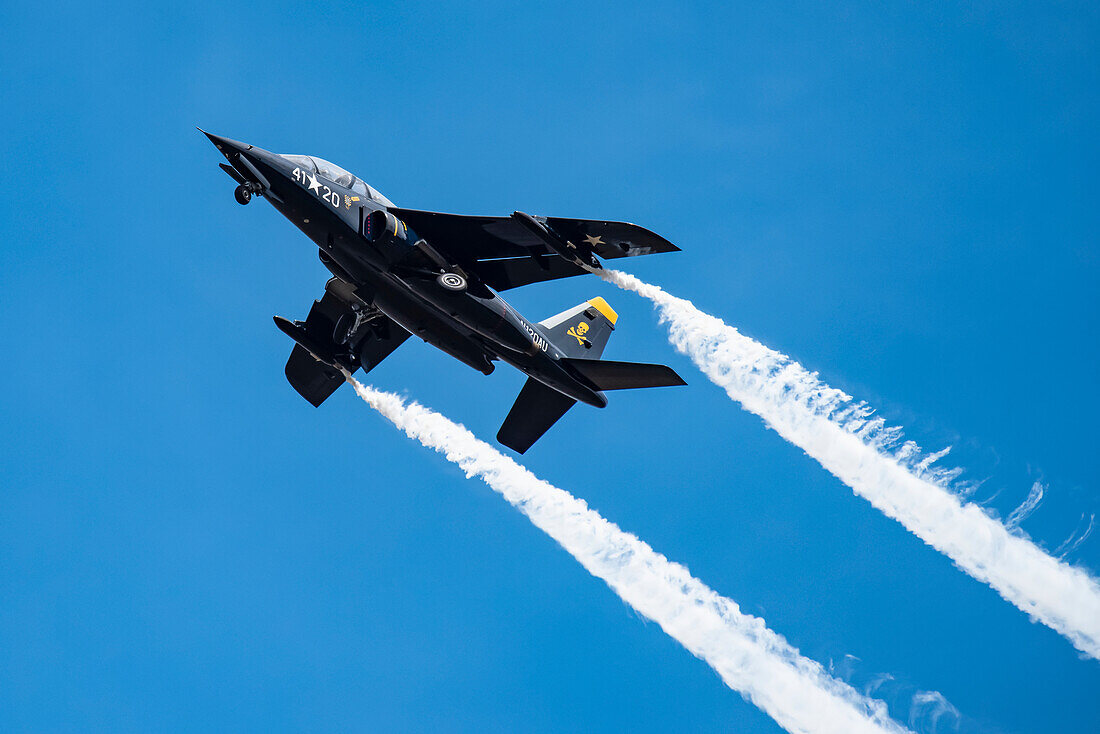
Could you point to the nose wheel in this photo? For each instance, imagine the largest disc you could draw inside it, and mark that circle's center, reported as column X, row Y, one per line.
column 452, row 281
column 243, row 194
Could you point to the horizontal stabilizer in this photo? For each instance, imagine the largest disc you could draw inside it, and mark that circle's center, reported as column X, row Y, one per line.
column 606, row 375
column 537, row 408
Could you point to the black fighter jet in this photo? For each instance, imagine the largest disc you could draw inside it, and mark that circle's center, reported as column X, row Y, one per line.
column 398, row 272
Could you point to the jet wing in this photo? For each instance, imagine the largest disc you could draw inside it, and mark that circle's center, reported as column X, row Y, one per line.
column 332, row 337
column 313, row 380
column 505, row 254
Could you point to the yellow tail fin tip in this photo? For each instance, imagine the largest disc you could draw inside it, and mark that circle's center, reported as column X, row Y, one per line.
column 601, row 305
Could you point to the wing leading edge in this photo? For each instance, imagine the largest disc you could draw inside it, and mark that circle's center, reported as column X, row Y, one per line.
column 507, row 255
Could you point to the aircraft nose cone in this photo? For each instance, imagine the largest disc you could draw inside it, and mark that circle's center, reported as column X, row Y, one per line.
column 225, row 145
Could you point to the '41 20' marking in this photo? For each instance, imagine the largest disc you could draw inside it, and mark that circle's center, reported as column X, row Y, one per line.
column 312, row 183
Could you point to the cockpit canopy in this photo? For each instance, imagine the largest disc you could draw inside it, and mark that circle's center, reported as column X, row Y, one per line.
column 337, row 175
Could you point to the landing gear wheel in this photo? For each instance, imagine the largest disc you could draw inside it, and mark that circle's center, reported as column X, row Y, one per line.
column 242, row 195
column 452, row 281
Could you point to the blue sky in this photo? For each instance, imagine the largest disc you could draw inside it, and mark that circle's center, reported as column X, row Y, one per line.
column 903, row 198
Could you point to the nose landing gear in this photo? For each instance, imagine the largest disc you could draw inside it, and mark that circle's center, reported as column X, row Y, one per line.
column 243, row 193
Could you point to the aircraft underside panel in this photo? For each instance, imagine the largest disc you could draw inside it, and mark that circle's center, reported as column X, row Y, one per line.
column 386, row 335
column 513, row 272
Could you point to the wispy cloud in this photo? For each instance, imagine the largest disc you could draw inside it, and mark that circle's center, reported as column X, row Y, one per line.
column 929, row 709
column 1073, row 542
column 1028, row 506
column 749, row 657
column 845, row 437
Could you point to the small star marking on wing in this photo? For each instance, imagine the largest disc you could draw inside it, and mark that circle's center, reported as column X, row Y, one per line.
column 314, row 184
column 593, row 241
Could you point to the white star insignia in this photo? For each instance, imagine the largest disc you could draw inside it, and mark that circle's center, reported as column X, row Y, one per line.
column 593, row 241
column 314, row 184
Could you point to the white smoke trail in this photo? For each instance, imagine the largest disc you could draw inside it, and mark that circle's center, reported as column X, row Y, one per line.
column 750, row 658
column 865, row 454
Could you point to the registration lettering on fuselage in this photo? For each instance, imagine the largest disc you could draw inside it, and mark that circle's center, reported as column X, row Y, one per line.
column 536, row 339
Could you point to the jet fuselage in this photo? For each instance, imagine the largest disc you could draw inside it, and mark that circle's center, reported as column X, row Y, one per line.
column 474, row 325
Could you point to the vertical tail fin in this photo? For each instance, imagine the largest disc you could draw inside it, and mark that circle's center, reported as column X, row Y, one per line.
column 583, row 330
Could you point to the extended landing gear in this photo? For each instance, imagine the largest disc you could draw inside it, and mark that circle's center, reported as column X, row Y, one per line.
column 243, row 194
column 452, row 281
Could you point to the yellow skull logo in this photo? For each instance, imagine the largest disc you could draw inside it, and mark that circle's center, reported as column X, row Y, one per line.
column 578, row 332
